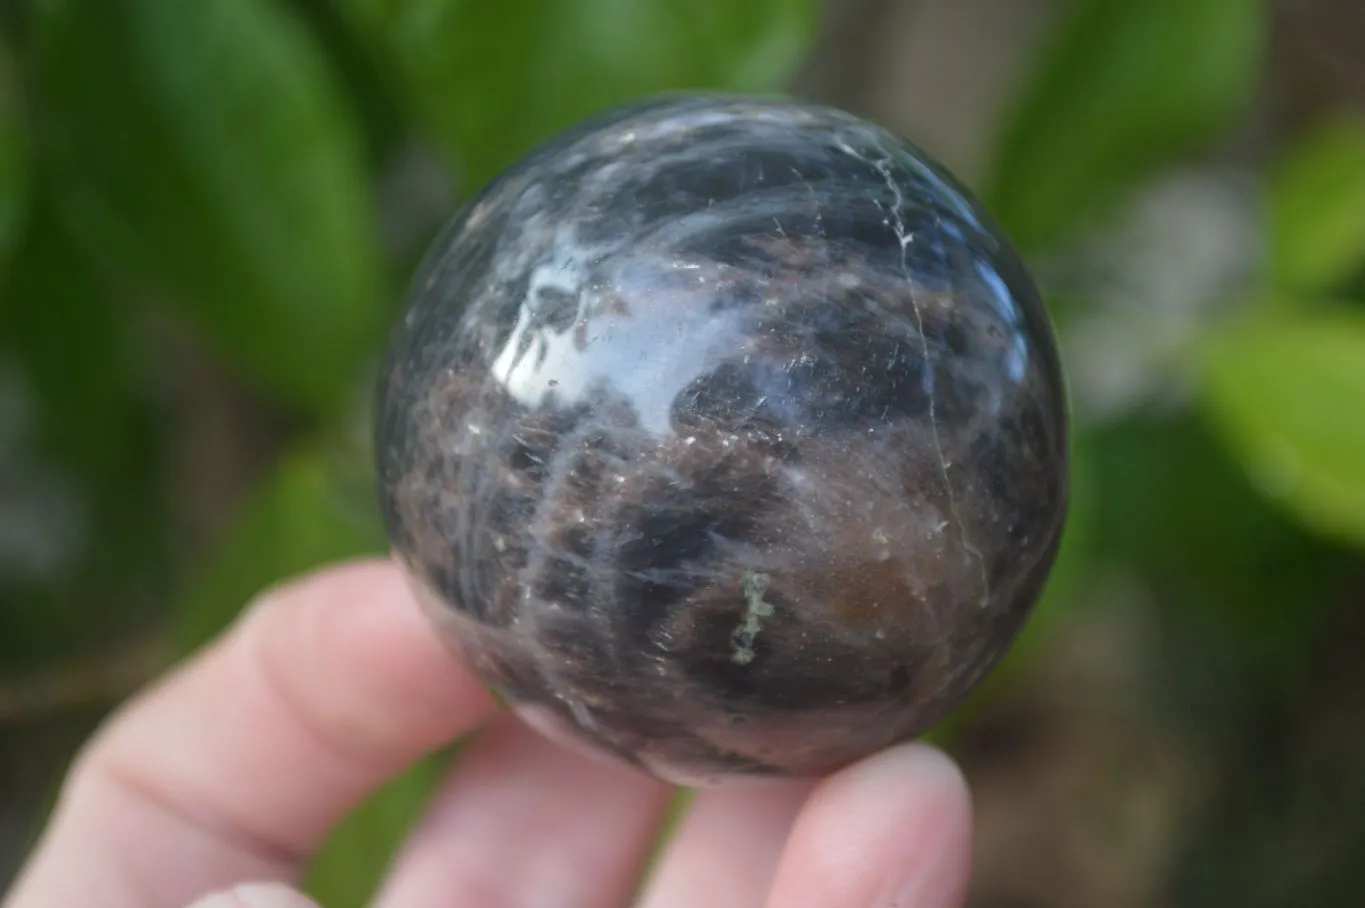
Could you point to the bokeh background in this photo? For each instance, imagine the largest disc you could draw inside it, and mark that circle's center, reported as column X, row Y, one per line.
column 209, row 210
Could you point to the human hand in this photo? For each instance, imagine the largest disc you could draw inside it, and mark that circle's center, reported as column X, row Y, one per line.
column 233, row 768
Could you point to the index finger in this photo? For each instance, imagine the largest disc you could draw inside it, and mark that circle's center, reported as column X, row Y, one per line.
column 236, row 765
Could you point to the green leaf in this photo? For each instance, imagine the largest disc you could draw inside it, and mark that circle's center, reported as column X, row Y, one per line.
column 492, row 79
column 13, row 162
column 1121, row 89
column 1289, row 397
column 83, row 541
column 202, row 148
column 1239, row 596
column 1317, row 208
column 351, row 865
column 302, row 517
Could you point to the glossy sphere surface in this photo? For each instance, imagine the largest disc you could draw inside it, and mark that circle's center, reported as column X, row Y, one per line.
column 728, row 435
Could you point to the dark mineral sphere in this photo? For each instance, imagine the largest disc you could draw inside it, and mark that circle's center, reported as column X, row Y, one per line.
column 727, row 436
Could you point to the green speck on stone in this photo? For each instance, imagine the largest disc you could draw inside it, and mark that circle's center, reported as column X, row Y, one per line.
column 754, row 585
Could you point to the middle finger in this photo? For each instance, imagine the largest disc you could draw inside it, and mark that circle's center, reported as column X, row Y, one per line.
column 523, row 821
column 727, row 847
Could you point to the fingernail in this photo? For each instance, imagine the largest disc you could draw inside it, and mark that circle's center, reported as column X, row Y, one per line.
column 257, row 895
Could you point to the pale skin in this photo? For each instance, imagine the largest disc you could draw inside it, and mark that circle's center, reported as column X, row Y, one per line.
column 213, row 786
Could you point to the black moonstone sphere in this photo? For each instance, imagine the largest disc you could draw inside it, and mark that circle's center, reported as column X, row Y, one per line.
column 726, row 435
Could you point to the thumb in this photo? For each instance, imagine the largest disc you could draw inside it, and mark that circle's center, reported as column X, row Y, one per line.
column 256, row 895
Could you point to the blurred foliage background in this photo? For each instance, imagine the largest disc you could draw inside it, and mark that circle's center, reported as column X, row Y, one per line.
column 209, row 211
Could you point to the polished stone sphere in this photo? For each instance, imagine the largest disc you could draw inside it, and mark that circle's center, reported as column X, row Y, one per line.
column 726, row 435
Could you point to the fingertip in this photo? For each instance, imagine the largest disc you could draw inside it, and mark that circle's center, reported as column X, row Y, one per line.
column 894, row 828
column 727, row 846
column 912, row 768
